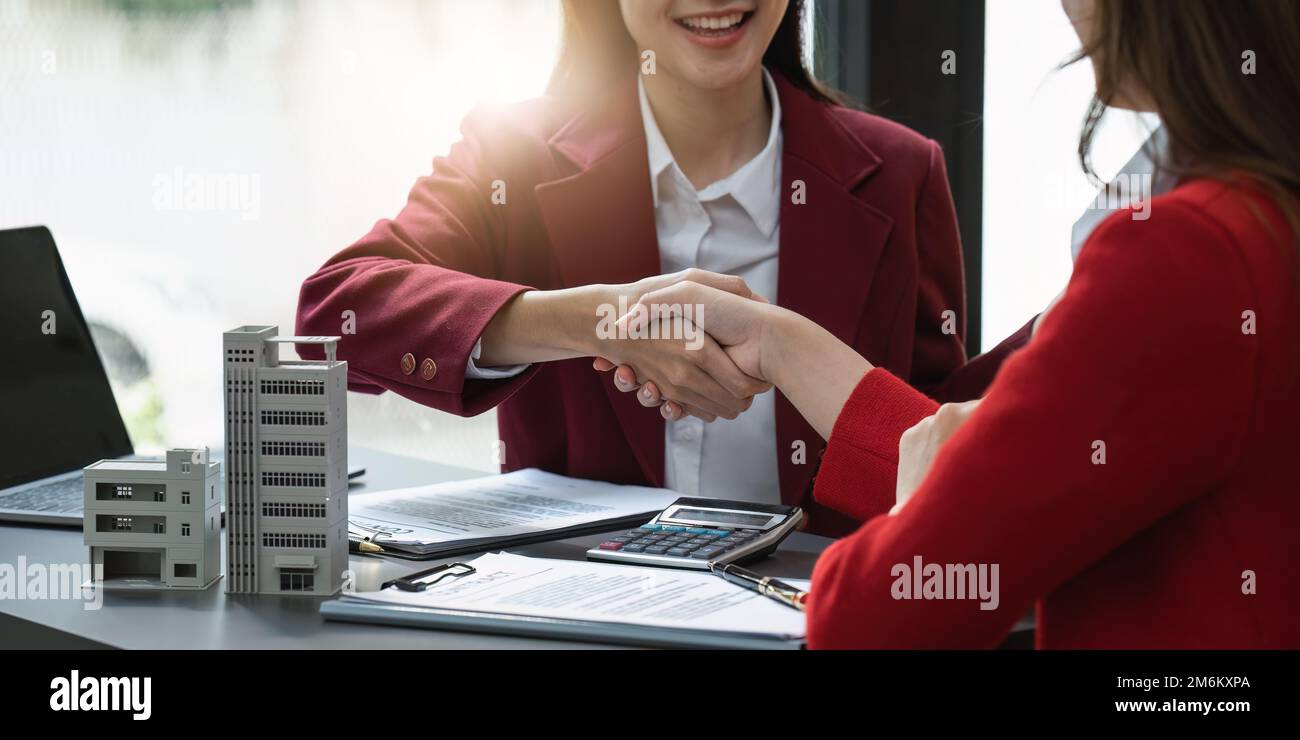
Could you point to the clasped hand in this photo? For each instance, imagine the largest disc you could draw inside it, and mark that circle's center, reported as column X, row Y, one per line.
column 692, row 344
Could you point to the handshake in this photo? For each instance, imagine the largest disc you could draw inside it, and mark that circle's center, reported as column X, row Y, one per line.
column 692, row 343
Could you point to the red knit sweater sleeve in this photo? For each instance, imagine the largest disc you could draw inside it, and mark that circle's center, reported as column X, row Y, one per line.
column 1143, row 360
column 860, row 466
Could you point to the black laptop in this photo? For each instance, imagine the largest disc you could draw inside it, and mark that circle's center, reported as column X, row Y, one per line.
column 57, row 412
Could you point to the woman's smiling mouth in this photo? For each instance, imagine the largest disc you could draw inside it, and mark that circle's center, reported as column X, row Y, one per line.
column 715, row 30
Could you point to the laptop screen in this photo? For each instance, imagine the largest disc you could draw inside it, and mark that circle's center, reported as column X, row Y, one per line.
column 57, row 411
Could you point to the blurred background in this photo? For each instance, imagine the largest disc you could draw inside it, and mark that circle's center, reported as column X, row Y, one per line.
column 196, row 159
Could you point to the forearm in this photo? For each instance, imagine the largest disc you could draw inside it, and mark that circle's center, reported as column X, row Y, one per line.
column 543, row 326
column 812, row 367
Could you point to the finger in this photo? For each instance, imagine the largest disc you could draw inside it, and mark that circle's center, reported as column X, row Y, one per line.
column 714, row 311
column 649, row 395
column 729, row 283
column 705, row 393
column 671, row 411
column 700, row 414
column 601, row 364
column 666, row 299
column 625, row 379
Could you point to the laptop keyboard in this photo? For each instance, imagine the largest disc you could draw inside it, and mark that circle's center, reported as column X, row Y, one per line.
column 64, row 496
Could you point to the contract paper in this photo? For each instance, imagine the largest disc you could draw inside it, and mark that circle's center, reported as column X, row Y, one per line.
column 498, row 506
column 513, row 585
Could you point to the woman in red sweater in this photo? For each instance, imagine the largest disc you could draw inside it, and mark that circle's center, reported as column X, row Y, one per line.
column 1131, row 472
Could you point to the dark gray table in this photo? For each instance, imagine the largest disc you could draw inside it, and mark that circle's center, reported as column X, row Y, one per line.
column 213, row 619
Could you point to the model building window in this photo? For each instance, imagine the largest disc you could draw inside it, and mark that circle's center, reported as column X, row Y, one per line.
column 295, row 579
column 185, row 570
column 185, row 497
column 185, row 530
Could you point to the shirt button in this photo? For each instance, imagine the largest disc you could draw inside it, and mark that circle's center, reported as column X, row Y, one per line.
column 408, row 363
column 428, row 369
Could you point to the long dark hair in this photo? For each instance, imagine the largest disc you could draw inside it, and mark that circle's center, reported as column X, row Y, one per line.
column 596, row 50
column 1190, row 57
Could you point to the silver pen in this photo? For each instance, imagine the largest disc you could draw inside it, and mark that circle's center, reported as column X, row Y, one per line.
column 765, row 585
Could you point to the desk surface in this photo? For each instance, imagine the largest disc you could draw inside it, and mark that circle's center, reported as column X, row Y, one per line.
column 213, row 619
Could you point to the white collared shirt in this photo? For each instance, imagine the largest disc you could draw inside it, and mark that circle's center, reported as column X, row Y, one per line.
column 730, row 227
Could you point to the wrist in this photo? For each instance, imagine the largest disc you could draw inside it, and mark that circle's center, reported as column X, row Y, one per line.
column 796, row 348
column 781, row 341
column 542, row 326
column 571, row 316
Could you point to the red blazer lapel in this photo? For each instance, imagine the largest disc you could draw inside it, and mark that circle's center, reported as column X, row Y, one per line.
column 601, row 224
column 830, row 244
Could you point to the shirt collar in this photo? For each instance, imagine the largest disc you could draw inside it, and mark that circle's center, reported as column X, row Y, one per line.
column 755, row 186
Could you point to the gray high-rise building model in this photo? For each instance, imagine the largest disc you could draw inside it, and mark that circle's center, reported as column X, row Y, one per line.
column 286, row 465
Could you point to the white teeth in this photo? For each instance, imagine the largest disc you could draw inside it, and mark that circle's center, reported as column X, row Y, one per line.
column 716, row 23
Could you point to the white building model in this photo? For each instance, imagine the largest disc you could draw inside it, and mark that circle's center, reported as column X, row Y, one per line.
column 286, row 466
column 155, row 524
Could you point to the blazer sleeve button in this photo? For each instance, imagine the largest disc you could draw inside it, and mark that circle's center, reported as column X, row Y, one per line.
column 428, row 369
column 408, row 363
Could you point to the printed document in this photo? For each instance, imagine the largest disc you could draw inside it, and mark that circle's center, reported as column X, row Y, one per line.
column 498, row 506
column 505, row 584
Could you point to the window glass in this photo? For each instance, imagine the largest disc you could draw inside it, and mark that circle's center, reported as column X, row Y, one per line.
column 197, row 159
column 1034, row 190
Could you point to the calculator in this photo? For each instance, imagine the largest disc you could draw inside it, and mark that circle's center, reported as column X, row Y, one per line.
column 693, row 532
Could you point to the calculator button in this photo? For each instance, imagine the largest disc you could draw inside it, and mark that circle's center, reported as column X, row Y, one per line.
column 719, row 532
column 622, row 538
column 666, row 528
column 678, row 552
column 696, row 530
column 656, row 550
column 704, row 553
column 632, row 548
column 611, row 545
column 642, row 532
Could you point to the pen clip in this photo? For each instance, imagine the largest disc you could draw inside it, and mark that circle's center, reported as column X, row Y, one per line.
column 361, row 530
column 426, row 578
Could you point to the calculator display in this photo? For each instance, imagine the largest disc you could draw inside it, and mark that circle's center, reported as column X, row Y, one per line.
column 722, row 517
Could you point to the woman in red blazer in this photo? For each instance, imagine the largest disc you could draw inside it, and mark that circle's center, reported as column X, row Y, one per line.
column 1132, row 471
column 545, row 212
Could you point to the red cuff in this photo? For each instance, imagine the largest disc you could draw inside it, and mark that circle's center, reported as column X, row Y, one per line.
column 859, row 469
